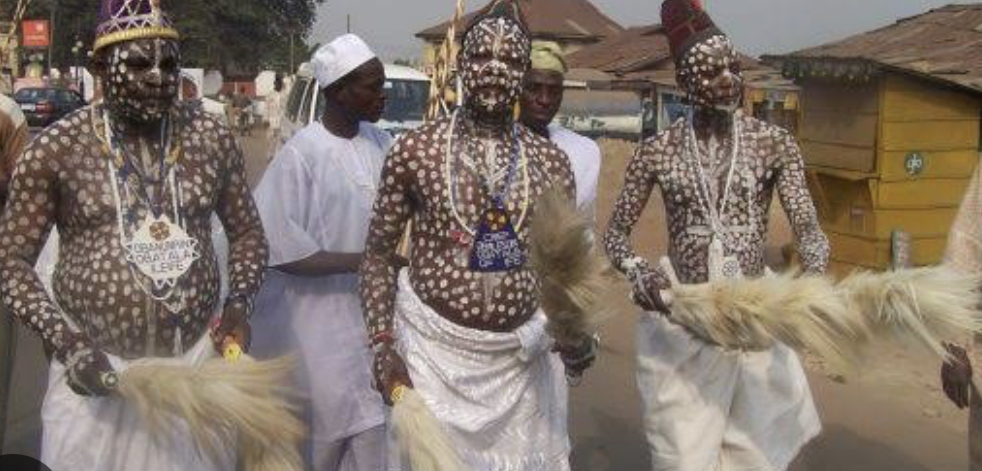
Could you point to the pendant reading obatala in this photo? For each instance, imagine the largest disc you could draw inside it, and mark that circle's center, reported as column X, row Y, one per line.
column 162, row 251
column 496, row 247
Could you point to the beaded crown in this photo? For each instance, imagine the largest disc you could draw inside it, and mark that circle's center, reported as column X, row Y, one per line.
column 686, row 23
column 128, row 20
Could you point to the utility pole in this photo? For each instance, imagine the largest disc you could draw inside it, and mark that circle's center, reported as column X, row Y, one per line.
column 293, row 68
column 51, row 33
column 349, row 23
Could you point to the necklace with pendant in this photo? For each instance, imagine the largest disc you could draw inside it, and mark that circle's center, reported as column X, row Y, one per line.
column 158, row 247
column 720, row 266
column 492, row 245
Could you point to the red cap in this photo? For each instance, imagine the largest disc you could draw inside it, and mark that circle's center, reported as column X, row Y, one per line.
column 686, row 23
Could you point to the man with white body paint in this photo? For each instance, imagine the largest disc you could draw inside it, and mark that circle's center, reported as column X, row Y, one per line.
column 461, row 325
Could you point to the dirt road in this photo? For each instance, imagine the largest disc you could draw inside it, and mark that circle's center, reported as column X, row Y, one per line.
column 891, row 418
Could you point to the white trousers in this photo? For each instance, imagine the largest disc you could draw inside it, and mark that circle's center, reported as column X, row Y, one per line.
column 708, row 409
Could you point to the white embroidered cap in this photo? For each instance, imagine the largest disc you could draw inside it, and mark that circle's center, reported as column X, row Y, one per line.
column 339, row 57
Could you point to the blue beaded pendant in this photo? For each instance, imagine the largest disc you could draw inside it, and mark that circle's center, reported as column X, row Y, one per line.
column 496, row 247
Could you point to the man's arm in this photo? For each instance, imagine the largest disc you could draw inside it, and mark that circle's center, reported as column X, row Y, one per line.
column 323, row 264
column 381, row 263
column 964, row 250
column 13, row 138
column 24, row 228
column 639, row 182
column 792, row 188
column 964, row 253
column 248, row 250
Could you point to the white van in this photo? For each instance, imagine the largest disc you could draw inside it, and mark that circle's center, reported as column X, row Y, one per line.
column 406, row 93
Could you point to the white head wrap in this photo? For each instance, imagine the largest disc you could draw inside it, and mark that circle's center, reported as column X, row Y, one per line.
column 339, row 57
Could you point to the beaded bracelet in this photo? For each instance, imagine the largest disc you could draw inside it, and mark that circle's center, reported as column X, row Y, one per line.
column 381, row 340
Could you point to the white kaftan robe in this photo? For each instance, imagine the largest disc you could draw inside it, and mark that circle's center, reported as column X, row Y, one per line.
column 317, row 196
column 584, row 157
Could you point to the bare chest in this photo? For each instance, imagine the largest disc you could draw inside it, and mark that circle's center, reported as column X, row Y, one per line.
column 96, row 187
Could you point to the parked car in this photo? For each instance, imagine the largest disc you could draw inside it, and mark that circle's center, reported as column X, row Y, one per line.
column 45, row 105
column 406, row 94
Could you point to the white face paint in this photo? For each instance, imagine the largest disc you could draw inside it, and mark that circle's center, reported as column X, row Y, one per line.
column 710, row 75
column 141, row 78
column 493, row 63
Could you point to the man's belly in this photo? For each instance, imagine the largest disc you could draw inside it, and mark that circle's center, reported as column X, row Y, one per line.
column 112, row 304
column 493, row 302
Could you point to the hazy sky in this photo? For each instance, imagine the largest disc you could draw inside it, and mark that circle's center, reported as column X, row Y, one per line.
column 757, row 26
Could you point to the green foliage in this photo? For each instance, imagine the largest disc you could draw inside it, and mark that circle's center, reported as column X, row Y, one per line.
column 233, row 36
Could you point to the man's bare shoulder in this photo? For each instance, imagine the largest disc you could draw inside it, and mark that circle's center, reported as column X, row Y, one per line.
column 195, row 119
column 666, row 141
column 430, row 135
column 774, row 141
column 545, row 147
column 62, row 139
column 205, row 136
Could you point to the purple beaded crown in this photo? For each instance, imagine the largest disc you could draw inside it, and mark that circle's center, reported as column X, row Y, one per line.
column 127, row 20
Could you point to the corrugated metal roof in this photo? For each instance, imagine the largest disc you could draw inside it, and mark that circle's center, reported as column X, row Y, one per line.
column 634, row 49
column 943, row 44
column 552, row 19
column 642, row 55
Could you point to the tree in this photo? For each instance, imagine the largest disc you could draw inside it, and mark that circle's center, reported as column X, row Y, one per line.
column 233, row 36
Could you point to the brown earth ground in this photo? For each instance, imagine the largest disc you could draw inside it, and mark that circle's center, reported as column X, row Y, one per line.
column 892, row 417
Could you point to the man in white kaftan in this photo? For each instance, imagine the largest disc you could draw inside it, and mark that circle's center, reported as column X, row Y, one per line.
column 542, row 98
column 584, row 157
column 315, row 200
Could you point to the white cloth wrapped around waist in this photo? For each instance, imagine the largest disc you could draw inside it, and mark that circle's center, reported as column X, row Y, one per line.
column 707, row 408
column 109, row 434
column 500, row 396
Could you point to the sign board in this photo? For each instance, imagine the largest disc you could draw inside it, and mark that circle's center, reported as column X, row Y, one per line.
column 35, row 33
column 914, row 164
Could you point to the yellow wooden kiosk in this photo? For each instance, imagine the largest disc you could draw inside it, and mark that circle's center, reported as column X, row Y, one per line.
column 890, row 131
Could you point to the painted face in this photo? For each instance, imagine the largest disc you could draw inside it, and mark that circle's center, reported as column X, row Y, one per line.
column 710, row 75
column 141, row 78
column 493, row 62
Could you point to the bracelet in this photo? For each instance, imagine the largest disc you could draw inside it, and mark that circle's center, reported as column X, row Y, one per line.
column 71, row 365
column 72, row 361
column 381, row 340
column 243, row 298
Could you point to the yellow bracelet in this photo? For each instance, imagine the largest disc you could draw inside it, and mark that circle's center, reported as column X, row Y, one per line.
column 232, row 352
column 398, row 393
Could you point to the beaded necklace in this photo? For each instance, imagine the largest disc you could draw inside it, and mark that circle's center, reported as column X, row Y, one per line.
column 124, row 174
column 519, row 161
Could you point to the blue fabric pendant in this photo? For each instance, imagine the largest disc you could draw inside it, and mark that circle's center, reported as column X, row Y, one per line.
column 496, row 247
